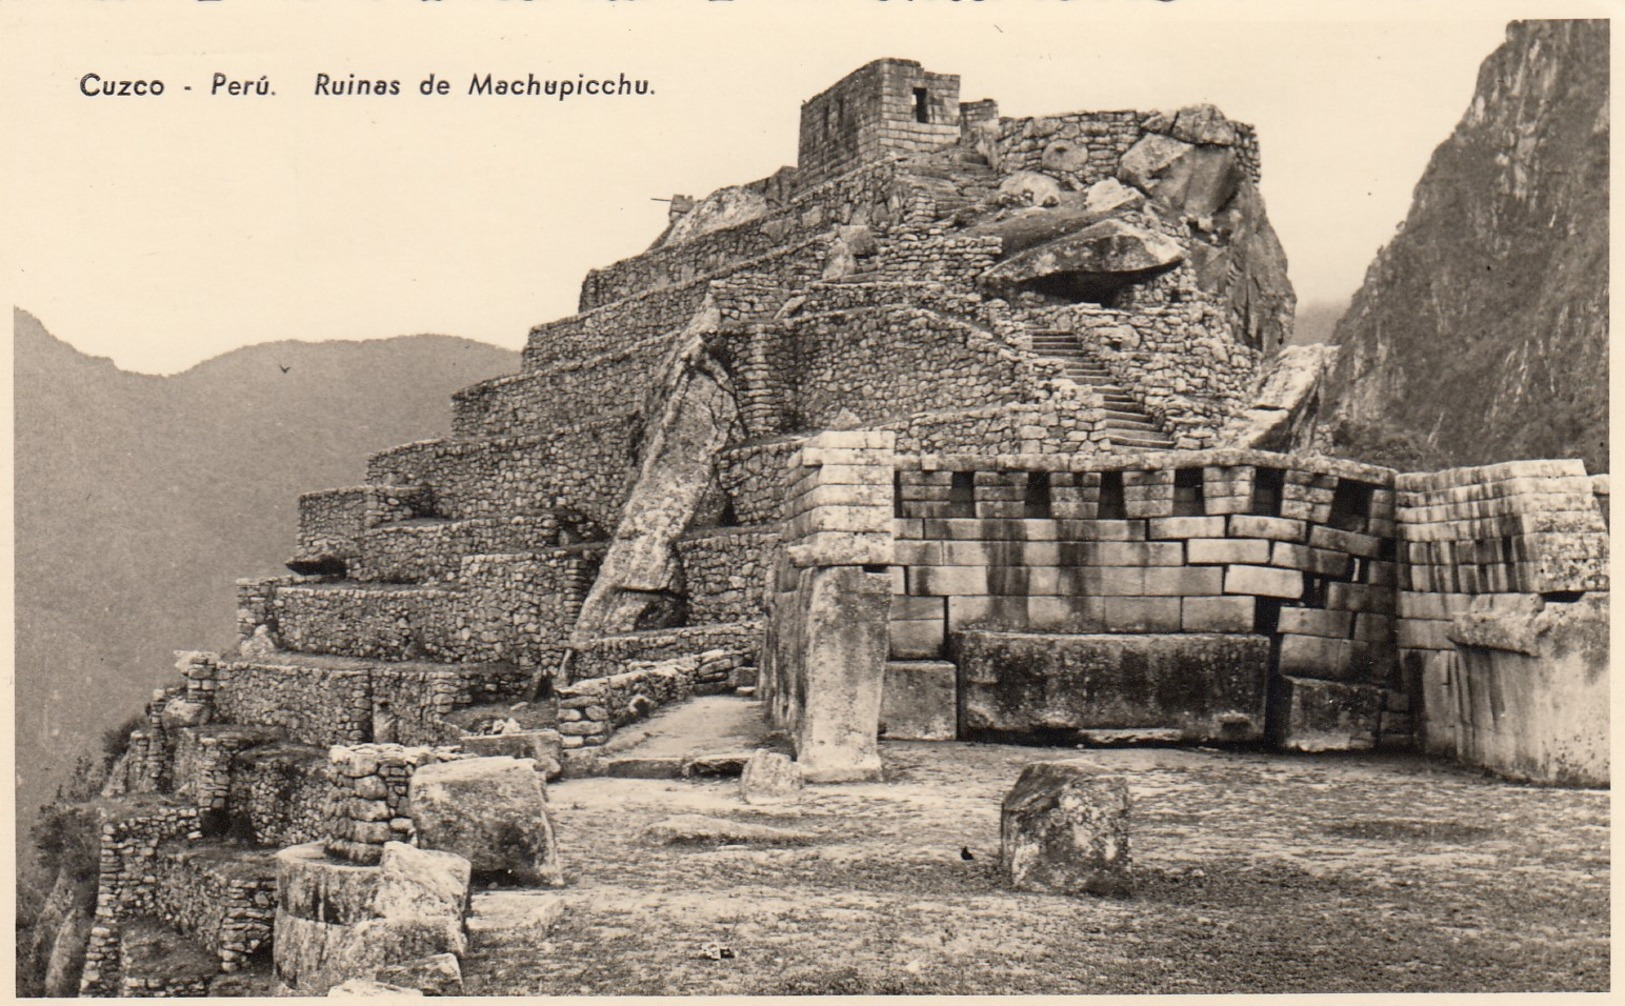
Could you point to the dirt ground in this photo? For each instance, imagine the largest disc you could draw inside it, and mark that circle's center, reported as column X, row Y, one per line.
column 1255, row 873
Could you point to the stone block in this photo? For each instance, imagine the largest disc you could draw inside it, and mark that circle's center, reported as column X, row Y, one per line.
column 1269, row 528
column 920, row 701
column 1227, row 551
column 770, row 777
column 1208, row 687
column 1064, row 829
column 436, row 975
column 1317, row 622
column 490, row 811
column 1217, row 614
column 1183, row 581
column 1318, row 657
column 1186, row 527
column 1263, row 581
column 832, row 548
column 1066, row 614
column 1327, row 715
column 1142, row 614
column 986, row 611
column 840, row 644
column 917, row 639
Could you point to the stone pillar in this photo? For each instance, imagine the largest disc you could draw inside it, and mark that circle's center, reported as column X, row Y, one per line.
column 825, row 656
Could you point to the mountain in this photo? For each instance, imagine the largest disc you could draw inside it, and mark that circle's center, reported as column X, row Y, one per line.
column 139, row 500
column 1481, row 331
column 1315, row 322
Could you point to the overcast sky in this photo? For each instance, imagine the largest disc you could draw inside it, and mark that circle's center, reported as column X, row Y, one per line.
column 163, row 231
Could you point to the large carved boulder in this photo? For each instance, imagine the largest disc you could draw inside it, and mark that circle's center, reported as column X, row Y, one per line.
column 1091, row 263
column 490, row 811
column 1063, row 829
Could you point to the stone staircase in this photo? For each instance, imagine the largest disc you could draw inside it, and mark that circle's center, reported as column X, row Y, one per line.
column 1128, row 425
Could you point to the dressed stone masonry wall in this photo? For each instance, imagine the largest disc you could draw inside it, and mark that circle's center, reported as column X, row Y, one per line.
column 1503, row 543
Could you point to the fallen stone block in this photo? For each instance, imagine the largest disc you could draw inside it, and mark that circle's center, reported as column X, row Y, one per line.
column 770, row 777
column 1064, row 829
column 697, row 829
column 490, row 811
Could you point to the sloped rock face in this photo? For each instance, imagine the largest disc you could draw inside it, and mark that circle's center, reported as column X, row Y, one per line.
column 1481, row 332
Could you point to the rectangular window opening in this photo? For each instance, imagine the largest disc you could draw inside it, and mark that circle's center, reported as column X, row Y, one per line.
column 1037, row 498
column 1188, row 492
column 922, row 107
column 1111, row 497
column 1351, row 505
column 1267, row 484
column 962, row 495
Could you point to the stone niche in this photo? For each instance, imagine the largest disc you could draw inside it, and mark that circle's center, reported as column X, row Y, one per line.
column 1196, row 687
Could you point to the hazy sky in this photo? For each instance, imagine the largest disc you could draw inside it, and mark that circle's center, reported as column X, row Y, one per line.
column 162, row 231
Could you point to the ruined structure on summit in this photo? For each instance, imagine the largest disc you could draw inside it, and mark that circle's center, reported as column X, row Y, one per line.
column 951, row 431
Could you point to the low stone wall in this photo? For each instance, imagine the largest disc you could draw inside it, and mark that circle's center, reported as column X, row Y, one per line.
column 616, row 654
column 204, row 759
column 222, row 896
column 501, row 608
column 331, row 521
column 322, row 701
column 591, row 710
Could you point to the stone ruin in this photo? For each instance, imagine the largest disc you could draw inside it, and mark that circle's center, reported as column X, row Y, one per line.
column 961, row 428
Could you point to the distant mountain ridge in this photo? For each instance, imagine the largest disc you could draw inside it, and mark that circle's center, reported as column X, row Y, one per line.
column 139, row 499
column 1481, row 331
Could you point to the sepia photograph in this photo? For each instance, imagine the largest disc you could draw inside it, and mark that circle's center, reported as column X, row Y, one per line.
column 742, row 498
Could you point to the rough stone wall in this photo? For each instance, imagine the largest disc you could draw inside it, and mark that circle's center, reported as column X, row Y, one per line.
column 1481, row 540
column 1022, row 144
column 326, row 701
column 371, row 797
column 1177, row 360
column 204, row 762
column 424, row 551
column 912, row 360
column 877, row 194
column 752, row 478
column 1069, row 421
column 222, row 896
column 332, row 521
column 615, row 654
column 872, row 113
column 726, row 572
column 125, row 886
column 280, row 794
column 582, row 468
column 590, row 711
column 936, row 256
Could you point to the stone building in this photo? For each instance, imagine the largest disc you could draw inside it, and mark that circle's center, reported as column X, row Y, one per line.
column 960, row 428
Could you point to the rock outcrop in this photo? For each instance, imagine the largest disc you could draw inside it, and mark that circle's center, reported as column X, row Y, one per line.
column 1481, row 331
